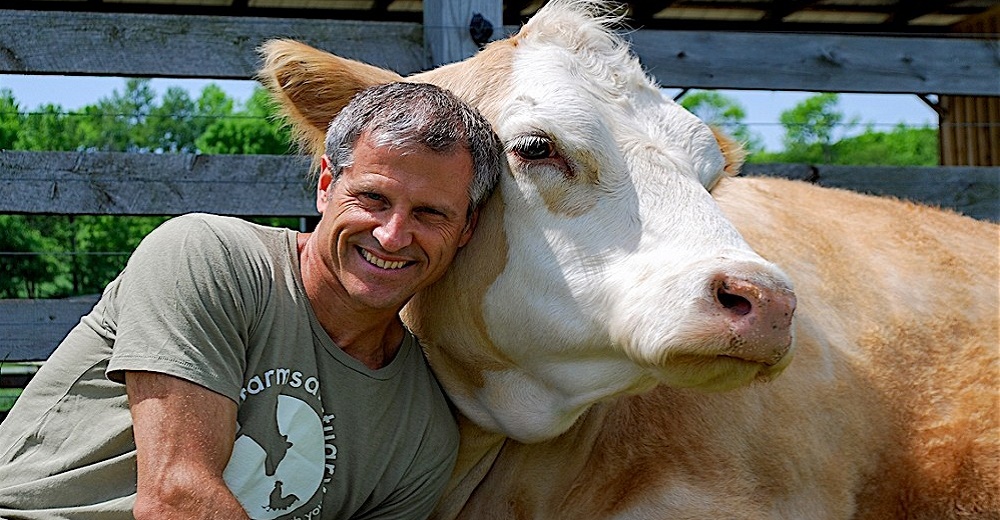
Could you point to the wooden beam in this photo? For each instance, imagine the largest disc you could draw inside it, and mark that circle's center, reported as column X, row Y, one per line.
column 120, row 44
column 823, row 63
column 904, row 12
column 782, row 8
column 447, row 27
column 224, row 47
column 31, row 329
column 972, row 191
column 113, row 183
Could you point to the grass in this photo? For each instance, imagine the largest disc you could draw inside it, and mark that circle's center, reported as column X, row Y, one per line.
column 7, row 398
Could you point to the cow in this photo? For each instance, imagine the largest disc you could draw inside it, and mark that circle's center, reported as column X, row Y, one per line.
column 619, row 348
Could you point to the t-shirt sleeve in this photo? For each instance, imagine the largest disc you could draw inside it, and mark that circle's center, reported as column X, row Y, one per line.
column 181, row 309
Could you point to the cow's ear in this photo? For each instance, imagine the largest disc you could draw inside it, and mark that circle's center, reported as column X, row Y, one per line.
column 732, row 151
column 311, row 86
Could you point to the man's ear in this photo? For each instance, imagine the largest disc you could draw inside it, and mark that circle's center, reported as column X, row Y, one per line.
column 324, row 185
column 470, row 227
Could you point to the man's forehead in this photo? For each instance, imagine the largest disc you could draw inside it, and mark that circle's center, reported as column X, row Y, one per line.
column 426, row 177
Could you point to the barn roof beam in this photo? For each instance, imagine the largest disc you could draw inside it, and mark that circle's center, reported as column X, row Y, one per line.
column 643, row 12
column 905, row 12
column 512, row 11
column 782, row 8
column 105, row 44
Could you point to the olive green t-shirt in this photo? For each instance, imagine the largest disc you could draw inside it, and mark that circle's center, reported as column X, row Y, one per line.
column 220, row 302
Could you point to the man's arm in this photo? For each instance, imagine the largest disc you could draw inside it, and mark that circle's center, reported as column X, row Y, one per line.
column 184, row 437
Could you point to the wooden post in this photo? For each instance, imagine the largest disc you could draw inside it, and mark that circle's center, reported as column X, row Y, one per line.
column 446, row 27
column 970, row 126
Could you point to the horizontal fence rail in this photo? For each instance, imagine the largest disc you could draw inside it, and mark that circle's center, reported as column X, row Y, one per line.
column 199, row 46
column 188, row 46
column 119, row 183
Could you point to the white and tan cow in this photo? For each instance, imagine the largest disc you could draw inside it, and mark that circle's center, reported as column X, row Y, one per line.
column 607, row 287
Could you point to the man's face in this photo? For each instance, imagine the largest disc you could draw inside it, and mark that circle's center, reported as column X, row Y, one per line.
column 393, row 222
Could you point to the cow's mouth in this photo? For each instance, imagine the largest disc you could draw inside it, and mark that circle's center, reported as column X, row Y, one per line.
column 382, row 264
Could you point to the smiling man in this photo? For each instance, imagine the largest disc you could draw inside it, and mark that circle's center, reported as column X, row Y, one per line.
column 240, row 371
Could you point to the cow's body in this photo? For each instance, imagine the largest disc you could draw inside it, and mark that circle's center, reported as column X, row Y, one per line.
column 604, row 287
column 889, row 409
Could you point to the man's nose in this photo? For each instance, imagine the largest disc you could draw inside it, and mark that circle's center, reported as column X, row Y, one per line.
column 394, row 232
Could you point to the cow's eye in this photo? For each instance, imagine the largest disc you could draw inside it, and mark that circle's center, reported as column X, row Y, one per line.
column 533, row 148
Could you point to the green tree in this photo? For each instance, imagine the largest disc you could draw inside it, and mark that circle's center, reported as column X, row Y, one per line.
column 902, row 146
column 810, row 127
column 49, row 127
column 26, row 268
column 118, row 123
column 11, row 119
column 251, row 130
column 174, row 124
column 725, row 113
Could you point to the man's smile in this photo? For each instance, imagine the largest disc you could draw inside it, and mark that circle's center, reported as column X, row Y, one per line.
column 378, row 262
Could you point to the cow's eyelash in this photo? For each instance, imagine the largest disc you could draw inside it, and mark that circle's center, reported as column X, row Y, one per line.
column 533, row 147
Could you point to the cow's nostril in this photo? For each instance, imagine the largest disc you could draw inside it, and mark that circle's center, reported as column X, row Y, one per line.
column 735, row 303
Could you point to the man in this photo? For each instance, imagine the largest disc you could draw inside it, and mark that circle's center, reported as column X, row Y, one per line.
column 266, row 373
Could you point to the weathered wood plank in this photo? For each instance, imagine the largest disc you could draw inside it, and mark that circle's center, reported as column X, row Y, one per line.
column 973, row 191
column 31, row 329
column 269, row 185
column 120, row 44
column 195, row 46
column 827, row 63
column 154, row 184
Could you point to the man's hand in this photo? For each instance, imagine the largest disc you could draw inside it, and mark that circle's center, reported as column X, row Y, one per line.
column 184, row 437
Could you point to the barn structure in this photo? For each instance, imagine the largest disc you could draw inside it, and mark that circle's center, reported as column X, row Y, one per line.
column 945, row 51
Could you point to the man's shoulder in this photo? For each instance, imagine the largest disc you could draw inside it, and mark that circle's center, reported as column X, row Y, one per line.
column 201, row 228
column 207, row 222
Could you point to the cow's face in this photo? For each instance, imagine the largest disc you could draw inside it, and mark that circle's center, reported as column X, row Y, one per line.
column 602, row 265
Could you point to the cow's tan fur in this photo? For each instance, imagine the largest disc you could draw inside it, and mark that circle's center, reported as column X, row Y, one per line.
column 888, row 411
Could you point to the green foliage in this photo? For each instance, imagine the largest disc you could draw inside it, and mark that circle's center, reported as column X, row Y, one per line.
column 809, row 138
column 902, row 146
column 55, row 256
column 25, row 270
column 252, row 130
column 723, row 113
column 10, row 119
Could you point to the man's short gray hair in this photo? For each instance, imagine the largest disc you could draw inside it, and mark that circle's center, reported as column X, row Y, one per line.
column 404, row 115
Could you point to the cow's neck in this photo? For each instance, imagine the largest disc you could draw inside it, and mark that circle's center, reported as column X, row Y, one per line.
column 529, row 402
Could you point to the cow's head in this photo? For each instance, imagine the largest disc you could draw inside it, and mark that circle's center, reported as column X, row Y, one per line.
column 602, row 265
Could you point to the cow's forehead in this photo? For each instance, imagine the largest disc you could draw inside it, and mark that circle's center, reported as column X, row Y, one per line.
column 588, row 84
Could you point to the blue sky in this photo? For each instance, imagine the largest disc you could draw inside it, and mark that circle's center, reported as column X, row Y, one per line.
column 763, row 108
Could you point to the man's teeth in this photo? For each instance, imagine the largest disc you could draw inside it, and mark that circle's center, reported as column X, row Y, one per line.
column 374, row 260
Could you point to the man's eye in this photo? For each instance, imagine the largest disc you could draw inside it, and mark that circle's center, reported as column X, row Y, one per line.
column 431, row 213
column 373, row 197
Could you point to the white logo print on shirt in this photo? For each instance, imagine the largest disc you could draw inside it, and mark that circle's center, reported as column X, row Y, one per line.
column 277, row 465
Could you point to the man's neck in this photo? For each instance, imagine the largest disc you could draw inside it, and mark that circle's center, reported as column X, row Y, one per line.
column 371, row 336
